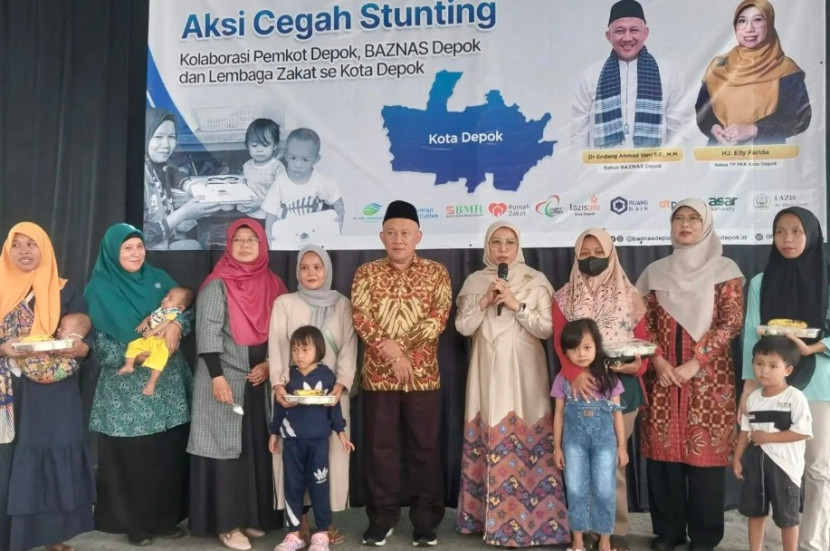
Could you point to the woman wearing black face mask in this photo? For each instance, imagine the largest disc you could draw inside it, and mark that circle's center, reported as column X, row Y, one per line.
column 599, row 289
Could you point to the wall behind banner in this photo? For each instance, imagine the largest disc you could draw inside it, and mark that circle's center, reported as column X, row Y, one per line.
column 72, row 102
column 497, row 120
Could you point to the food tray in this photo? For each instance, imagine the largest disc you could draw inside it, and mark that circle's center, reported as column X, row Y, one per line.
column 311, row 400
column 221, row 189
column 625, row 351
column 800, row 332
column 44, row 346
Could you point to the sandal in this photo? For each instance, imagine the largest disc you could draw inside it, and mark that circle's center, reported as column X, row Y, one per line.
column 619, row 543
column 591, row 540
column 336, row 537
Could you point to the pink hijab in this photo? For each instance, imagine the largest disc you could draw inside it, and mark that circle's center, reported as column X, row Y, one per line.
column 609, row 298
column 251, row 287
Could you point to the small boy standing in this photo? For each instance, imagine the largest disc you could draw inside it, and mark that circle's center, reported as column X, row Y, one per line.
column 305, row 432
column 769, row 456
column 300, row 190
column 262, row 140
column 174, row 303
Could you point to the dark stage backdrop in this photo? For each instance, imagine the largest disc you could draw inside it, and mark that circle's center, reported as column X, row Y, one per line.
column 71, row 112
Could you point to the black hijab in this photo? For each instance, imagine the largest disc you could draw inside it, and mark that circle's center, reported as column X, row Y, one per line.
column 798, row 288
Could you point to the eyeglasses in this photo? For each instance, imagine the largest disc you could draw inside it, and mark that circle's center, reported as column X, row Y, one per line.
column 499, row 243
column 252, row 241
column 691, row 219
column 756, row 22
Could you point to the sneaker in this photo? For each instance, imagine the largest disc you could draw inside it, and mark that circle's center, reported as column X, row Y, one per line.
column 235, row 540
column 319, row 542
column 291, row 543
column 424, row 537
column 376, row 535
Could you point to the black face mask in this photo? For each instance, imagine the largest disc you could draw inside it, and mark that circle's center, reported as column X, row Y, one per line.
column 592, row 266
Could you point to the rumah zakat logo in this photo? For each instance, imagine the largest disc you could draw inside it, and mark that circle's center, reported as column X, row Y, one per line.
column 497, row 209
column 550, row 206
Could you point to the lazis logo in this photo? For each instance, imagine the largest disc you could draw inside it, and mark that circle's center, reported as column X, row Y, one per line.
column 550, row 207
column 761, row 202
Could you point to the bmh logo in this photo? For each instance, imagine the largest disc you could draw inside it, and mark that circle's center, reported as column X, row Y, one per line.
column 550, row 207
column 497, row 209
column 761, row 202
column 619, row 205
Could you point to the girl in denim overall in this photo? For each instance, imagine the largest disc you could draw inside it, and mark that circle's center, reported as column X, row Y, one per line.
column 588, row 437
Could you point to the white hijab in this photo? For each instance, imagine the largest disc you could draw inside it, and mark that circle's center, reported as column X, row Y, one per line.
column 684, row 281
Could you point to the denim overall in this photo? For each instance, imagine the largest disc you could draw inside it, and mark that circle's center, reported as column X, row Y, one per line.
column 590, row 447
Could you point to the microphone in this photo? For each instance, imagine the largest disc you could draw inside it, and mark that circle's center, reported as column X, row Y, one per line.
column 502, row 275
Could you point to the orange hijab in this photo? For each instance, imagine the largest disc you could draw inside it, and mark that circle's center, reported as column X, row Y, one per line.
column 743, row 84
column 43, row 280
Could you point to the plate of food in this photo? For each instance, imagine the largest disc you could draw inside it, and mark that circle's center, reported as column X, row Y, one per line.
column 226, row 189
column 781, row 326
column 310, row 398
column 42, row 344
column 625, row 351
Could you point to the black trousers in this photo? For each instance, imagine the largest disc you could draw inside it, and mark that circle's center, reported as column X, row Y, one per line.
column 306, row 468
column 685, row 499
column 393, row 418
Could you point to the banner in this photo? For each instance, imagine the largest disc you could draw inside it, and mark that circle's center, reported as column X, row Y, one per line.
column 312, row 116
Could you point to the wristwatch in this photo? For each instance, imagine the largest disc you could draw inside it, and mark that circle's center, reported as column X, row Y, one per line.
column 522, row 306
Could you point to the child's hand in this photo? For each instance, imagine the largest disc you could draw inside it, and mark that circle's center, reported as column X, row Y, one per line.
column 274, row 443
column 759, row 437
column 142, row 327
column 622, row 457
column 738, row 468
column 339, row 220
column 348, row 447
column 559, row 459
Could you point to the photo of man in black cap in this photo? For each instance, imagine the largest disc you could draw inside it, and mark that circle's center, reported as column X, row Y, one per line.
column 628, row 99
column 400, row 305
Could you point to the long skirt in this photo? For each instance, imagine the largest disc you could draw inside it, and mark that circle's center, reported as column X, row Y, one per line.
column 46, row 482
column 142, row 482
column 236, row 493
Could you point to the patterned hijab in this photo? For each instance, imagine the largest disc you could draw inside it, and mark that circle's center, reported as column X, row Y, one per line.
column 609, row 298
column 251, row 287
column 43, row 280
column 322, row 299
column 684, row 281
column 743, row 84
column 520, row 278
column 117, row 299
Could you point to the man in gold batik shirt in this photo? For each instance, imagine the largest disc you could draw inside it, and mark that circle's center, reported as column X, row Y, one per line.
column 400, row 306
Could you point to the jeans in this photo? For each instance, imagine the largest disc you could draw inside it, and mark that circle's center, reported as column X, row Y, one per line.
column 590, row 447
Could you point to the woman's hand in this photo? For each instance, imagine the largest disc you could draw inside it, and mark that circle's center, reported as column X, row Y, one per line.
column 686, row 372
column 749, row 386
column 222, row 390
column 172, row 335
column 489, row 296
column 6, row 349
column 718, row 134
column 803, row 347
column 258, row 374
column 505, row 296
column 737, row 133
column 195, row 208
column 585, row 386
column 337, row 391
column 630, row 368
column 665, row 372
column 79, row 349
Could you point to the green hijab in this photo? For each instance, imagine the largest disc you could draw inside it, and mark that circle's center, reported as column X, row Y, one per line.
column 118, row 300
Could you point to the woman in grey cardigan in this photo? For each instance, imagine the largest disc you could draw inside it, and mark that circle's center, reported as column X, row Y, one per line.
column 231, row 491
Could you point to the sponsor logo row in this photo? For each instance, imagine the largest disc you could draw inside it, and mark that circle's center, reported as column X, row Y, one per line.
column 554, row 206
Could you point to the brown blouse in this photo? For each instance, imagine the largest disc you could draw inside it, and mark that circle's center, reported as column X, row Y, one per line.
column 693, row 424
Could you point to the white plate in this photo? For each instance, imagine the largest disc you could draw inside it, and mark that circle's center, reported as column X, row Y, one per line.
column 800, row 332
column 311, row 400
column 43, row 346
